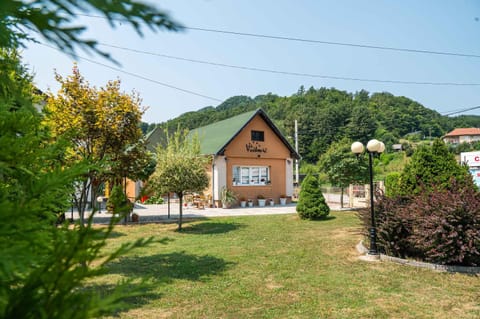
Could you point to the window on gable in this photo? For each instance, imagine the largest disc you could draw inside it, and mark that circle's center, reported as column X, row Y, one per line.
column 258, row 136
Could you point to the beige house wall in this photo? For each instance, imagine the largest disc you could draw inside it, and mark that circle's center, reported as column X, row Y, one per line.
column 272, row 153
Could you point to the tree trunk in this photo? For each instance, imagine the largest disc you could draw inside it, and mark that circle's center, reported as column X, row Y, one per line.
column 168, row 204
column 341, row 198
column 180, row 200
column 82, row 200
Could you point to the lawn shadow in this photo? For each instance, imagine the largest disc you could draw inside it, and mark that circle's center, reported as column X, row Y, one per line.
column 136, row 295
column 161, row 269
column 208, row 228
column 164, row 268
column 116, row 234
column 329, row 217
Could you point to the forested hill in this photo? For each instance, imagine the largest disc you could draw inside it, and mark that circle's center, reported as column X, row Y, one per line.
column 326, row 115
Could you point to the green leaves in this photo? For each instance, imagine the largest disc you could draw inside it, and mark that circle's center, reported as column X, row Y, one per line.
column 431, row 166
column 54, row 20
column 311, row 203
column 342, row 166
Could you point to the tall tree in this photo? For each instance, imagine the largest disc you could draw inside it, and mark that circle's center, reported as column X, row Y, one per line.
column 362, row 125
column 432, row 167
column 180, row 168
column 103, row 128
column 43, row 268
column 55, row 21
column 341, row 166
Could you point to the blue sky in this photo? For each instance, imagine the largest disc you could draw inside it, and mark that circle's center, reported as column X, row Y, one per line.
column 447, row 26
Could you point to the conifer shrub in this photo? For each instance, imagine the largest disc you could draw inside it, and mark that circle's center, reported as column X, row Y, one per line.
column 311, row 203
column 431, row 166
column 118, row 202
column 392, row 184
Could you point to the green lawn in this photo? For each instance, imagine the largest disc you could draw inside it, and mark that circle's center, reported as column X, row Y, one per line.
column 280, row 267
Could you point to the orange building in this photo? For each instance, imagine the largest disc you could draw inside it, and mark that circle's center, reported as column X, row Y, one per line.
column 250, row 155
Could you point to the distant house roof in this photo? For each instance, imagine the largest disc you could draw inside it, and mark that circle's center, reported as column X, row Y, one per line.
column 463, row 132
column 397, row 147
column 215, row 137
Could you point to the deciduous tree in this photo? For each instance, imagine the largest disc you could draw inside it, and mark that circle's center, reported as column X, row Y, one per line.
column 180, row 168
column 103, row 128
column 55, row 21
column 342, row 167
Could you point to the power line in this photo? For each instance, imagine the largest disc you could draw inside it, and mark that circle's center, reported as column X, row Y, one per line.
column 461, row 111
column 140, row 76
column 346, row 44
column 198, row 94
column 356, row 45
column 286, row 72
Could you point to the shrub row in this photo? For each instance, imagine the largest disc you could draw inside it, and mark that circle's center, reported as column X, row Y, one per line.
column 440, row 226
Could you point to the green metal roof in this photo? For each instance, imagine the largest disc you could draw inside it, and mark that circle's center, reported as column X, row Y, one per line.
column 214, row 137
column 154, row 138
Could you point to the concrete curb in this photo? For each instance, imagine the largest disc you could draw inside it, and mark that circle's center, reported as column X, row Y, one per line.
column 420, row 264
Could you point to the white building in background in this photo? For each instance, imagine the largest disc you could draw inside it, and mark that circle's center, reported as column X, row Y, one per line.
column 462, row 135
column 472, row 160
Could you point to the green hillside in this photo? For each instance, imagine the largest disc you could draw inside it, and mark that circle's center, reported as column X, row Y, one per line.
column 325, row 115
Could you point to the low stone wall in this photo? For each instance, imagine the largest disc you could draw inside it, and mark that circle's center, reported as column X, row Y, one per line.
column 442, row 268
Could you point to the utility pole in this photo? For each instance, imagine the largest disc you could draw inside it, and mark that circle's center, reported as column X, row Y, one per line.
column 296, row 150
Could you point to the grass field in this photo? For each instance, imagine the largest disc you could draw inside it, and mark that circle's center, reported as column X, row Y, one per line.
column 280, row 267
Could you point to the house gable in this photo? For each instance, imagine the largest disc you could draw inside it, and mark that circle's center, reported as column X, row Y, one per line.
column 245, row 145
column 217, row 137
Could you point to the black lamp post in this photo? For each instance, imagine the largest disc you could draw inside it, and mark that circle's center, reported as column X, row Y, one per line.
column 373, row 147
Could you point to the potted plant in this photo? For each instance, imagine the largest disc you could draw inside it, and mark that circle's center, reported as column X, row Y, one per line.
column 261, row 200
column 227, row 197
column 283, row 200
column 250, row 203
column 135, row 218
column 243, row 201
column 271, row 201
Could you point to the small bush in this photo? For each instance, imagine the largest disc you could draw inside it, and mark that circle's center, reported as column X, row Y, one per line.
column 154, row 200
column 448, row 226
column 311, row 203
column 392, row 184
column 394, row 226
column 118, row 202
column 441, row 226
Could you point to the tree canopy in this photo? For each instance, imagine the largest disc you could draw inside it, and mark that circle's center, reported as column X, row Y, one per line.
column 180, row 168
column 431, row 166
column 45, row 266
column 326, row 115
column 102, row 126
column 342, row 166
column 55, row 21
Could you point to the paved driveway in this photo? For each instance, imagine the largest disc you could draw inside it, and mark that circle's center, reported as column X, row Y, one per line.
column 152, row 213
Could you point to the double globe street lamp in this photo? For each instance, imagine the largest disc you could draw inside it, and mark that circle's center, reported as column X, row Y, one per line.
column 373, row 147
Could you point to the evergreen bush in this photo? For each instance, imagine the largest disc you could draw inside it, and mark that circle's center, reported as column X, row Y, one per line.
column 311, row 203
column 118, row 202
column 431, row 165
column 392, row 184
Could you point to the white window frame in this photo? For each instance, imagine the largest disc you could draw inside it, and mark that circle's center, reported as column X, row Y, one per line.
column 251, row 175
